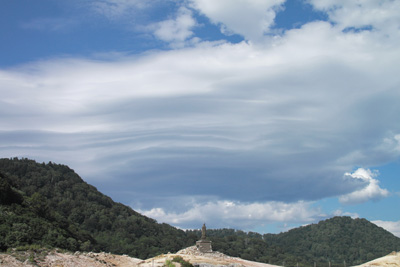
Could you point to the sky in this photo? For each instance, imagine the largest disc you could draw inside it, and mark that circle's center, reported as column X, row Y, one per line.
column 259, row 115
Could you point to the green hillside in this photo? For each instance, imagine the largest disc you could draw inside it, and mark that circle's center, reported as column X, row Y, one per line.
column 49, row 205
column 28, row 222
column 337, row 240
column 111, row 226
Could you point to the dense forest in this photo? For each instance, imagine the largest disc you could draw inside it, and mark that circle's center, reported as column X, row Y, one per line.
column 77, row 215
column 49, row 205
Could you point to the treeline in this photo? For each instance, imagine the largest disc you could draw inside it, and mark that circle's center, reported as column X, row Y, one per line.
column 49, row 205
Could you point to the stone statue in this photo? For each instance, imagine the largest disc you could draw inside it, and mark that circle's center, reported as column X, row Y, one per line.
column 204, row 245
column 203, row 232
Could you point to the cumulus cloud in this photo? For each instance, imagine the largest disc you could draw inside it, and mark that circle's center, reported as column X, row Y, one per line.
column 232, row 214
column 176, row 30
column 393, row 227
column 249, row 18
column 369, row 191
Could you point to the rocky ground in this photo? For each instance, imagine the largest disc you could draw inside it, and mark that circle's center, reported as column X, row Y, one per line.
column 58, row 259
column 195, row 257
column 190, row 254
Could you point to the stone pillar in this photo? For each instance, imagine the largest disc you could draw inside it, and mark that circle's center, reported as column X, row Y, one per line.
column 204, row 246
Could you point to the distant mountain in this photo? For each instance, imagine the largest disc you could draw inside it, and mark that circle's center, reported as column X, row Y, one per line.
column 50, row 205
column 109, row 226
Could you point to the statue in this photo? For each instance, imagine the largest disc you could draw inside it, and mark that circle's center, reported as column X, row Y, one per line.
column 203, row 232
column 204, row 245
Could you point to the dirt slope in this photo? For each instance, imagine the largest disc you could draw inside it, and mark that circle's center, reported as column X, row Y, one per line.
column 391, row 260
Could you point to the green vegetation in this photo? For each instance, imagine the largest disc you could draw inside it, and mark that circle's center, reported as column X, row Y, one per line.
column 168, row 263
column 180, row 260
column 49, row 206
column 337, row 240
column 27, row 222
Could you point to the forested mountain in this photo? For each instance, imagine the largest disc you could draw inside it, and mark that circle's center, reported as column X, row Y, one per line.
column 50, row 205
column 339, row 240
column 74, row 204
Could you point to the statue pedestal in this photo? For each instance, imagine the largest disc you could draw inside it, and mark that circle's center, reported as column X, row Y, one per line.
column 204, row 246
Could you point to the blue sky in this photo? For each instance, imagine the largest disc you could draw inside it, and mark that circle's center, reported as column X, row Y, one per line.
column 259, row 115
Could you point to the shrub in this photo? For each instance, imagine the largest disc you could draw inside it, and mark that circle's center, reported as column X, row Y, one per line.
column 169, row 263
column 182, row 261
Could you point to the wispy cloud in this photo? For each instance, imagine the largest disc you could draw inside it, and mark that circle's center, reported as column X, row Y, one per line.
column 115, row 9
column 381, row 15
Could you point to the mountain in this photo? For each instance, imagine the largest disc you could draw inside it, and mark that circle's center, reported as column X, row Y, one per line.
column 81, row 209
column 339, row 240
column 49, row 205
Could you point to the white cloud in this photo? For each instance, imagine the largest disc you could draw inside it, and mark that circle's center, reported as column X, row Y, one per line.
column 393, row 227
column 249, row 18
column 392, row 143
column 177, row 30
column 369, row 191
column 238, row 215
column 381, row 15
